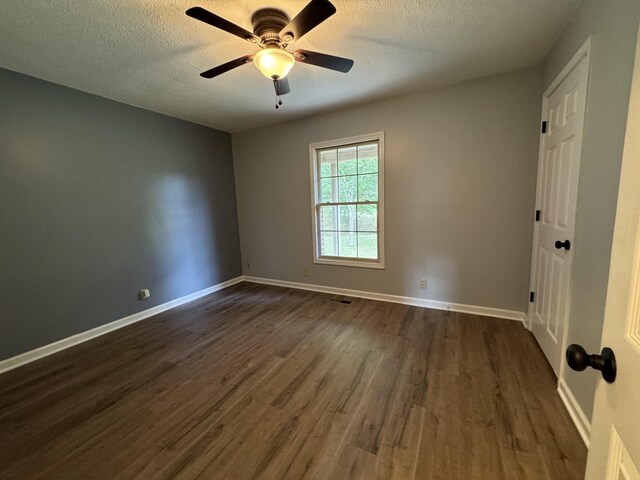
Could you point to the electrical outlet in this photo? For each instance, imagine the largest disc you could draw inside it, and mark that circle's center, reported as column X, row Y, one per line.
column 305, row 272
column 144, row 294
column 423, row 283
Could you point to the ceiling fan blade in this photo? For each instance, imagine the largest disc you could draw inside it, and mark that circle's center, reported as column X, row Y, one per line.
column 323, row 60
column 225, row 67
column 282, row 86
column 206, row 16
column 316, row 12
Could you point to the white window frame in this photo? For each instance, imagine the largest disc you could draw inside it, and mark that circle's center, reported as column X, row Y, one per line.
column 313, row 154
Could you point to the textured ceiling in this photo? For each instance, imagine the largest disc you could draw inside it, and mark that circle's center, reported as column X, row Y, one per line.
column 149, row 53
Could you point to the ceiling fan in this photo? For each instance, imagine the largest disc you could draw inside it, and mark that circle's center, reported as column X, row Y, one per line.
column 273, row 31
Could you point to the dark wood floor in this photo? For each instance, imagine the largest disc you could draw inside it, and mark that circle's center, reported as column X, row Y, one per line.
column 266, row 382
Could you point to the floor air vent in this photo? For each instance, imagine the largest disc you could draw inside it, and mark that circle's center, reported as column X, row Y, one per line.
column 340, row 300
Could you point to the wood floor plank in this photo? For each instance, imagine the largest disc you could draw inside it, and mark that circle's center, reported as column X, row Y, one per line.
column 268, row 382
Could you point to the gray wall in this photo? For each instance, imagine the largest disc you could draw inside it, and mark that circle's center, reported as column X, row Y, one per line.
column 614, row 26
column 460, row 172
column 99, row 199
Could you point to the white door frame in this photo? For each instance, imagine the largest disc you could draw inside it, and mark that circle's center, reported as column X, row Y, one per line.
column 583, row 54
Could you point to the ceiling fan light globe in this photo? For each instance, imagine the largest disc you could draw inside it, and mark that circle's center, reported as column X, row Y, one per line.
column 274, row 62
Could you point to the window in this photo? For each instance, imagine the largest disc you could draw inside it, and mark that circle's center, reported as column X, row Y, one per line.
column 348, row 201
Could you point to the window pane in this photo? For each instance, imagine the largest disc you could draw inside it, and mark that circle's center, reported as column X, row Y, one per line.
column 328, row 163
column 329, row 218
column 347, row 188
column 367, row 188
column 347, row 247
column 368, row 158
column 347, row 218
column 328, row 190
column 368, row 218
column 347, row 161
column 367, row 245
column 328, row 245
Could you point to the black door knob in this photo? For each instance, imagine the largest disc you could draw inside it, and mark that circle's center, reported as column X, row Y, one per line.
column 578, row 359
column 566, row 244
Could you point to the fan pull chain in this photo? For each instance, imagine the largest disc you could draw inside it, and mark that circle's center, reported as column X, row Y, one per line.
column 278, row 101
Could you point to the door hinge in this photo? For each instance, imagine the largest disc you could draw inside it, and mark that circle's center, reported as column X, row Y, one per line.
column 537, row 215
column 544, row 127
column 532, row 296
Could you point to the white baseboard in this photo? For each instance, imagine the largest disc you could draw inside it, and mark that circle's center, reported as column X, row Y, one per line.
column 577, row 415
column 32, row 355
column 384, row 297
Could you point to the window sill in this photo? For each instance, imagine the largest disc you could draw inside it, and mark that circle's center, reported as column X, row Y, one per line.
column 349, row 263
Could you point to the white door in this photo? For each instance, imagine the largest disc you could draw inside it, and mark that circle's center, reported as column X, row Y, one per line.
column 614, row 451
column 558, row 171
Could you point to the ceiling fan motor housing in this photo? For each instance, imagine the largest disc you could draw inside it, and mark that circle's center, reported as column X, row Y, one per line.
column 267, row 24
